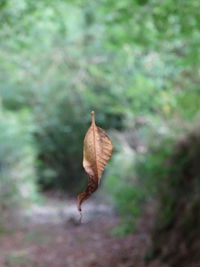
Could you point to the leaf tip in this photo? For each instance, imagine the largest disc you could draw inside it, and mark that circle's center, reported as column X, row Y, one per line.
column 79, row 202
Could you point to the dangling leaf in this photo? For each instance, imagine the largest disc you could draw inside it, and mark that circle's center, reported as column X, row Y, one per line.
column 97, row 150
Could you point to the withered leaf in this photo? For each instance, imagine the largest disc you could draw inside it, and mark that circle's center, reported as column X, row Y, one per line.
column 97, row 150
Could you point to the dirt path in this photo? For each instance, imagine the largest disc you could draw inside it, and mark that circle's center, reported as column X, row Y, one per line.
column 50, row 236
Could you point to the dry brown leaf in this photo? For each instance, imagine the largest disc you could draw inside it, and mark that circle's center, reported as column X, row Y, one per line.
column 97, row 150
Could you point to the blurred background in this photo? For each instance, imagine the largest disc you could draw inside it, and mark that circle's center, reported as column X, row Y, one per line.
column 137, row 64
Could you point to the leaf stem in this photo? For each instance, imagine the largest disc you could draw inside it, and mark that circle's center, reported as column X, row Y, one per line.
column 93, row 117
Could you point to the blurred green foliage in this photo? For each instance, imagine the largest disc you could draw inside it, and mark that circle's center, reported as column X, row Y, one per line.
column 17, row 155
column 123, row 188
column 178, row 216
column 136, row 63
column 137, row 170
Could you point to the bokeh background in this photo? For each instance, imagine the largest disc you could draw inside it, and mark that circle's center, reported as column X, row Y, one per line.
column 137, row 64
